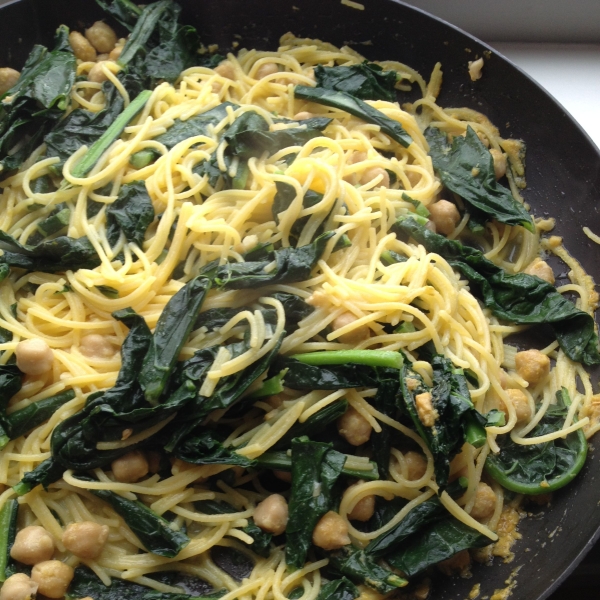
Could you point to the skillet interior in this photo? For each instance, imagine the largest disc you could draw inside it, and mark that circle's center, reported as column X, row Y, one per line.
column 563, row 177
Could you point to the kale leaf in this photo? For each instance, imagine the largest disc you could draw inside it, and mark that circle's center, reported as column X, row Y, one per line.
column 131, row 213
column 366, row 80
column 37, row 101
column 339, row 589
column 205, row 447
column 519, row 298
column 439, row 541
column 467, row 169
column 356, row 107
column 540, row 468
column 8, row 531
column 315, row 471
column 50, row 256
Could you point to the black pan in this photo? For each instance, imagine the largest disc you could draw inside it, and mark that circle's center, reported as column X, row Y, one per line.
column 563, row 174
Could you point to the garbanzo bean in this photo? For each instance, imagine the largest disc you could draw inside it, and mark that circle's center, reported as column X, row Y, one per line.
column 32, row 545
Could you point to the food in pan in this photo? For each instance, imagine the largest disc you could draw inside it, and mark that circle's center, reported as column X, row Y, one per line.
column 258, row 319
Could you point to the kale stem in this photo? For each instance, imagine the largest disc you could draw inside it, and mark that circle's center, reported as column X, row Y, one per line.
column 475, row 433
column 8, row 526
column 371, row 358
column 99, row 147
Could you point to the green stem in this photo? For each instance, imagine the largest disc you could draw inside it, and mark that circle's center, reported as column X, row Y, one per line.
column 28, row 418
column 475, row 433
column 271, row 386
column 101, row 145
column 8, row 530
column 280, row 461
column 371, row 358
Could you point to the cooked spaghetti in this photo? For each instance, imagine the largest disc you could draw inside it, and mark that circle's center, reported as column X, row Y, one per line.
column 195, row 212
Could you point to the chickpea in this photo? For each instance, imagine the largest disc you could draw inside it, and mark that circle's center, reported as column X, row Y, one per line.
column 82, row 49
column 32, row 545
column 485, row 502
column 18, row 587
column 416, row 465
column 130, row 467
column 532, row 366
column 34, row 356
column 96, row 346
column 272, row 514
column 102, row 57
column 354, row 428
column 353, row 336
column 97, row 74
column 225, row 69
column 540, row 268
column 374, row 172
column 266, row 70
column 8, row 78
column 520, row 403
column 302, row 115
column 445, row 215
column 363, row 510
column 499, row 163
column 357, row 156
column 101, row 36
column 52, row 577
column 85, row 539
column 331, row 532
column 456, row 565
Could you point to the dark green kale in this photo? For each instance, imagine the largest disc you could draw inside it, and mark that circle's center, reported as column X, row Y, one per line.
column 467, row 169
column 37, row 101
column 339, row 589
column 8, row 531
column 356, row 107
column 315, row 471
column 205, row 447
column 540, row 468
column 50, row 256
column 367, row 81
column 439, row 541
column 131, row 214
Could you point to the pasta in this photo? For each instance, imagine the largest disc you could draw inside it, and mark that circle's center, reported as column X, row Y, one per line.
column 195, row 234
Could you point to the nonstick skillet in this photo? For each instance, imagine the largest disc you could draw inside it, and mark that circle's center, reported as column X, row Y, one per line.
column 563, row 176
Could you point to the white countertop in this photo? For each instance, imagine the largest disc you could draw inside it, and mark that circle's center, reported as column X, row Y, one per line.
column 569, row 72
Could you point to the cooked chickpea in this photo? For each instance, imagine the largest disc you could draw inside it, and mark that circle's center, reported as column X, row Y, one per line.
column 225, row 69
column 354, row 336
column 374, row 172
column 331, row 532
column 32, row 545
column 34, row 356
column 130, row 467
column 96, row 346
column 18, row 587
column 272, row 514
column 154, row 461
column 456, row 565
column 485, row 502
column 357, row 156
column 302, row 115
column 101, row 36
column 520, row 403
column 52, row 577
column 354, row 428
column 416, row 465
column 8, row 78
column 82, row 49
column 363, row 510
column 532, row 365
column 445, row 215
column 499, row 163
column 97, row 74
column 540, row 268
column 85, row 539
column 266, row 70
